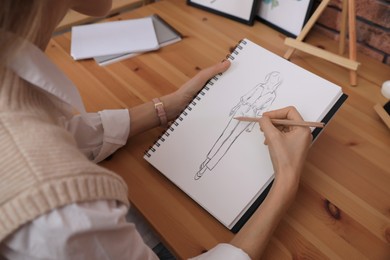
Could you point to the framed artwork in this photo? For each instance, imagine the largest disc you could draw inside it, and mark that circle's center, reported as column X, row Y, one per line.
column 286, row 16
column 243, row 11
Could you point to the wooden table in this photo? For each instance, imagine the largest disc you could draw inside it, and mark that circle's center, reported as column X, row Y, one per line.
column 342, row 210
column 73, row 18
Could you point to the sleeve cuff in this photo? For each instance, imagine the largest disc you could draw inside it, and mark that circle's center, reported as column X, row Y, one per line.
column 223, row 251
column 116, row 129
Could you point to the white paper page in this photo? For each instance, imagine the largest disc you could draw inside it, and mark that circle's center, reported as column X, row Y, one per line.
column 245, row 167
column 93, row 40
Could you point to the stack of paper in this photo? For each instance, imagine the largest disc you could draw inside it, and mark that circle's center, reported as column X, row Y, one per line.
column 113, row 41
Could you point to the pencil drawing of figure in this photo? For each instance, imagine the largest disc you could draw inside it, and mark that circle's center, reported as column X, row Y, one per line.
column 252, row 104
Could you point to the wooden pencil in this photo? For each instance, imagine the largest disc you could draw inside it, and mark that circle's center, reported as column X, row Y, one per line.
column 286, row 122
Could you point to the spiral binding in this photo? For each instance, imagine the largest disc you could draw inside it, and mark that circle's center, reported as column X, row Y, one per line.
column 189, row 107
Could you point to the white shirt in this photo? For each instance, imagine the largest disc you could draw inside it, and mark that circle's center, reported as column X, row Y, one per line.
column 90, row 230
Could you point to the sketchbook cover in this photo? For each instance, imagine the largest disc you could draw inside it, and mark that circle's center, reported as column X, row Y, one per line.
column 108, row 38
column 165, row 33
column 222, row 163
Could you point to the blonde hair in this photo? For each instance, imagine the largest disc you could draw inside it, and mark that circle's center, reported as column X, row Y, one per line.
column 23, row 18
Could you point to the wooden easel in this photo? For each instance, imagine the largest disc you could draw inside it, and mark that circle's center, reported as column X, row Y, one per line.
column 348, row 11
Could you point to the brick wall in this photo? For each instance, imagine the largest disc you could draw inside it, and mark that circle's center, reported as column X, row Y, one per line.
column 372, row 26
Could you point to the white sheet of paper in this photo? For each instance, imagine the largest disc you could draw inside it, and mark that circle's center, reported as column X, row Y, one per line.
column 245, row 169
column 135, row 35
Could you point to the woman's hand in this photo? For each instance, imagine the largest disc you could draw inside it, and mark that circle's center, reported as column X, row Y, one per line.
column 144, row 117
column 182, row 97
column 288, row 146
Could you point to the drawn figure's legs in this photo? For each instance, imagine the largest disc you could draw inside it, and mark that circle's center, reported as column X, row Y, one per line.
column 232, row 131
column 202, row 169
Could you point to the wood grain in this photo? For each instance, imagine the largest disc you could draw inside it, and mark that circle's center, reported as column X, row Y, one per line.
column 342, row 209
column 75, row 18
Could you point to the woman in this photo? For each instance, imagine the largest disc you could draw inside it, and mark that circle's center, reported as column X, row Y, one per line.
column 57, row 204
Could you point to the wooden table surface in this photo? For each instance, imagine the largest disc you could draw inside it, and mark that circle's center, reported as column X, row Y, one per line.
column 342, row 209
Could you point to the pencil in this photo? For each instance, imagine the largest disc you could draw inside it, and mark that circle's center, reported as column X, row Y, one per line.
column 283, row 122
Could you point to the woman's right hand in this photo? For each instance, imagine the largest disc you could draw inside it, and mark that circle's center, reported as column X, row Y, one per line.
column 288, row 145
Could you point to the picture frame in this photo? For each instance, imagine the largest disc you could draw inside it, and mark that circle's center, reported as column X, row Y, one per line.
column 243, row 11
column 286, row 16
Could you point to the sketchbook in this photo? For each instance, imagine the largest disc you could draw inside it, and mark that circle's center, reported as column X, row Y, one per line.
column 93, row 40
column 222, row 163
column 165, row 33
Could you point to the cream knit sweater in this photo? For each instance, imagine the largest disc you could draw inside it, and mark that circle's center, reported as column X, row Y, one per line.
column 40, row 165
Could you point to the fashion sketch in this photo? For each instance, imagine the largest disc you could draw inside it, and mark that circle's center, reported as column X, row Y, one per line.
column 252, row 104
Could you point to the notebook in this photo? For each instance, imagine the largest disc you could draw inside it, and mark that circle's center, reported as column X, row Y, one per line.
column 93, row 40
column 165, row 33
column 222, row 163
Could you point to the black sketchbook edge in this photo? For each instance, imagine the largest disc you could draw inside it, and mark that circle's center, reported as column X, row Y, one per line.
column 241, row 222
column 329, row 115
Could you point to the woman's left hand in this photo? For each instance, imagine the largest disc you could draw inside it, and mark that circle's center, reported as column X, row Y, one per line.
column 186, row 92
column 144, row 117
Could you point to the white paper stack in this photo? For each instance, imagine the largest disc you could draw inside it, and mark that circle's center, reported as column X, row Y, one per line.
column 114, row 41
column 109, row 38
column 165, row 33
